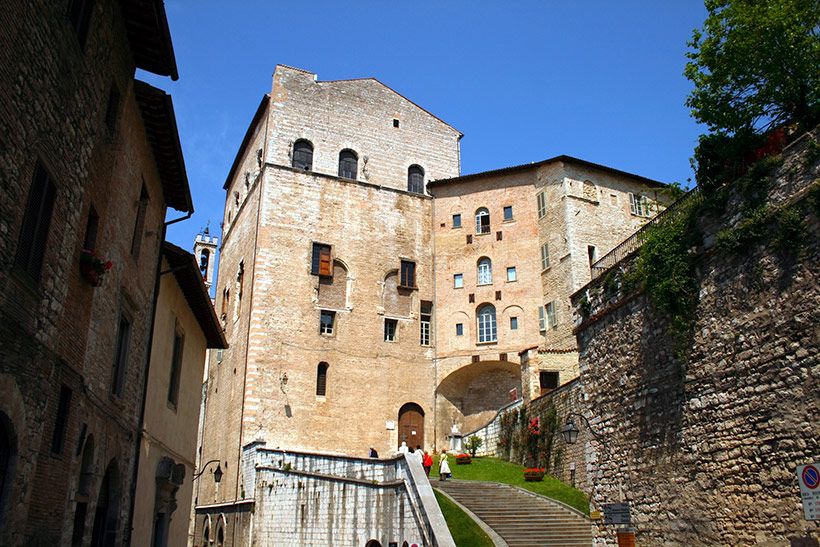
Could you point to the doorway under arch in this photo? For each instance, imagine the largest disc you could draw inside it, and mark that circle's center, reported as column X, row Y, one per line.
column 106, row 516
column 411, row 425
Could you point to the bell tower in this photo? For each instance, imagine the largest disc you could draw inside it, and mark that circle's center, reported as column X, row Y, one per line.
column 205, row 253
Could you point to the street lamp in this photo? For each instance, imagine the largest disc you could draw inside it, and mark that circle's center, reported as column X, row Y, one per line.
column 570, row 431
column 217, row 471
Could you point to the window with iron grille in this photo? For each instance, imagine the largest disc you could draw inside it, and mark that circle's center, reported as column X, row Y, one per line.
column 415, row 179
column 320, row 263
column 485, row 271
column 390, row 327
column 542, row 204
column 426, row 316
column 326, row 322
column 321, row 379
column 482, row 221
column 486, row 324
column 302, row 155
column 31, row 247
column 408, row 274
column 545, row 256
column 348, row 164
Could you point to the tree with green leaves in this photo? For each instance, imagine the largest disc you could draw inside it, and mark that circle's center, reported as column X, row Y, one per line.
column 756, row 64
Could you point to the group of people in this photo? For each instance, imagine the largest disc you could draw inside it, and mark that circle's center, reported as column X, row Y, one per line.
column 426, row 460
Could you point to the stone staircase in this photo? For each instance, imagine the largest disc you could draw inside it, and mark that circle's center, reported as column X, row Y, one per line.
column 521, row 519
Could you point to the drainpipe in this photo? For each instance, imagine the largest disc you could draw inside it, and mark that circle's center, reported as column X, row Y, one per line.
column 138, row 442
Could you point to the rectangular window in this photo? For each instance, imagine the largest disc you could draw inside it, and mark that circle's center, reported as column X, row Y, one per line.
column 551, row 320
column 548, row 381
column 592, row 254
column 326, row 320
column 320, row 261
column 61, row 420
column 545, row 256
column 121, row 356
column 176, row 369
column 542, row 205
column 639, row 205
column 390, row 326
column 511, row 274
column 513, row 323
column 321, row 379
column 457, row 221
column 469, row 238
column 426, row 315
column 458, row 281
column 459, row 329
column 542, row 319
column 508, row 213
column 31, row 248
column 92, row 224
column 220, row 355
column 139, row 223
column 408, row 274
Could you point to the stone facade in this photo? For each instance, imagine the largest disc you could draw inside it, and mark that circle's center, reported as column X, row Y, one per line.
column 704, row 448
column 78, row 172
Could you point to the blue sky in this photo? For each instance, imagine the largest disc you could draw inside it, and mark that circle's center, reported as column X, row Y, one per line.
column 524, row 81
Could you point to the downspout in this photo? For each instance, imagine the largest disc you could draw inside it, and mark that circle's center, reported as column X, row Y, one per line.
column 435, row 316
column 133, row 489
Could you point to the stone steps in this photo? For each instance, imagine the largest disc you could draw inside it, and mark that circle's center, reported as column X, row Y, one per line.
column 520, row 519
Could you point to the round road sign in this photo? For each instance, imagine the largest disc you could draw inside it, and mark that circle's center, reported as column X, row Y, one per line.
column 811, row 477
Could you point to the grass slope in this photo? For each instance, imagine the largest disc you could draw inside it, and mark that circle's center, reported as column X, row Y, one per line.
column 497, row 470
column 466, row 533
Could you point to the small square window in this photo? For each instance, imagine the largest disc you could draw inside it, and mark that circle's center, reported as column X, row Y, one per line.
column 457, row 221
column 458, row 281
column 511, row 274
column 508, row 214
column 513, row 323
column 390, row 326
column 395, row 122
column 326, row 322
column 459, row 329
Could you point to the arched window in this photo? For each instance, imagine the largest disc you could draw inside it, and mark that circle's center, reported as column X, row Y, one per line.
column 302, row 155
column 486, row 324
column 220, row 535
column 482, row 221
column 321, row 379
column 348, row 164
column 485, row 271
column 415, row 179
column 204, row 258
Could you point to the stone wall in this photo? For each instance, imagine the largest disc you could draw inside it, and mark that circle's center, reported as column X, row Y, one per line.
column 702, row 440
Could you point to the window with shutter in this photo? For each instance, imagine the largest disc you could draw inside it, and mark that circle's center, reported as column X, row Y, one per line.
column 551, row 320
column 408, row 274
column 321, row 263
column 482, row 221
column 31, row 247
column 542, row 205
column 542, row 319
column 545, row 256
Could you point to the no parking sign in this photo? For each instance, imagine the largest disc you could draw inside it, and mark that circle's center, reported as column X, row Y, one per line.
column 808, row 477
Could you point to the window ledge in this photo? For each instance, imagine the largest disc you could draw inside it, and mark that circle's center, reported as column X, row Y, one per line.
column 483, row 234
column 458, row 288
column 545, row 270
column 493, row 342
column 484, row 284
column 321, row 398
column 507, row 221
column 511, row 281
column 406, row 288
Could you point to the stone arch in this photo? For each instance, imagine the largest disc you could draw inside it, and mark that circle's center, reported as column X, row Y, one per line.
column 206, row 531
column 334, row 291
column 221, row 527
column 373, row 543
column 411, row 424
column 395, row 300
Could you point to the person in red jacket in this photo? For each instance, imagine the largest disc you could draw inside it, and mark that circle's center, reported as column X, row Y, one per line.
column 427, row 462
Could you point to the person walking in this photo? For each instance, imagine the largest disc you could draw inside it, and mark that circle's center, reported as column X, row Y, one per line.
column 443, row 467
column 427, row 462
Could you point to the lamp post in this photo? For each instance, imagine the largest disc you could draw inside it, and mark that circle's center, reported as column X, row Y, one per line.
column 570, row 431
column 217, row 471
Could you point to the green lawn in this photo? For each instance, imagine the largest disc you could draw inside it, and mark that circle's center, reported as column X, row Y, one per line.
column 496, row 470
column 466, row 533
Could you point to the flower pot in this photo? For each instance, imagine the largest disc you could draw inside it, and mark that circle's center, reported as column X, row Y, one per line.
column 90, row 275
column 463, row 460
column 534, row 475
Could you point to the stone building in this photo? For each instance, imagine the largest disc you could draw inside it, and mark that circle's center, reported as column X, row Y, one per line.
column 336, row 285
column 185, row 326
column 511, row 246
column 90, row 162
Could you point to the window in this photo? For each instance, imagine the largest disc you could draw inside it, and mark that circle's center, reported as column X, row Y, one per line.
column 302, row 155
column 590, row 191
column 390, row 329
column 542, row 204
column 226, row 298
column 395, row 122
column 551, row 320
column 348, row 164
column 459, row 329
column 426, row 315
column 542, row 319
column 239, row 288
column 79, row 13
column 592, row 254
column 408, row 274
column 508, row 214
column 176, row 369
column 513, row 323
column 321, row 379
column 121, row 356
column 220, row 355
column 320, row 262
column 486, row 324
column 61, row 420
column 545, row 256
column 457, row 220
column 326, row 320
column 112, row 109
column 485, row 271
column 139, row 223
column 511, row 274
column 458, row 281
column 415, row 179
column 92, row 224
column 31, row 247
column 204, row 260
column 639, row 205
column 482, row 221
column 547, row 381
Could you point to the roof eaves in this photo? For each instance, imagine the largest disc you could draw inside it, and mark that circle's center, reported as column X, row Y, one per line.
column 146, row 26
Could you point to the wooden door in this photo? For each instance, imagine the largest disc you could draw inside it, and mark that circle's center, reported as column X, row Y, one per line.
column 411, row 425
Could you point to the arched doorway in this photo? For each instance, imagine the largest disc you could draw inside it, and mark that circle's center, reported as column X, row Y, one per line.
column 104, row 531
column 373, row 543
column 411, row 425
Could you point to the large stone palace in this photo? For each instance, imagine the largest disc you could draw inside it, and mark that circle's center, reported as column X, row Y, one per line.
column 371, row 295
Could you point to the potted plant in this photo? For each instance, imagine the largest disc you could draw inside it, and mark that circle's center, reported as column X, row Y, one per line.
column 93, row 268
column 463, row 459
column 534, row 474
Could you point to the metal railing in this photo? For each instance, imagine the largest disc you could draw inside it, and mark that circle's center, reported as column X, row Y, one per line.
column 634, row 242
